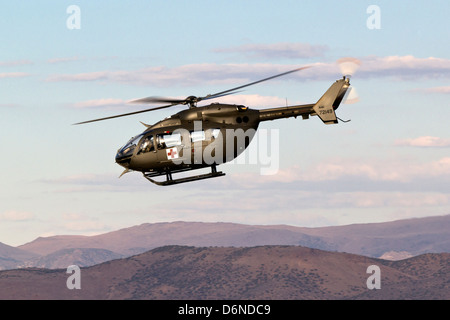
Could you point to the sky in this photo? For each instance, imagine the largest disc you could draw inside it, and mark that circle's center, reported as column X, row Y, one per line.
column 63, row 62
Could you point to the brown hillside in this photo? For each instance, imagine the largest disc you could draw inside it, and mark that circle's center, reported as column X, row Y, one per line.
column 266, row 272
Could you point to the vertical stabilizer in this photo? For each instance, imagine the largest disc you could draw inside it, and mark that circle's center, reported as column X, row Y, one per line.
column 330, row 101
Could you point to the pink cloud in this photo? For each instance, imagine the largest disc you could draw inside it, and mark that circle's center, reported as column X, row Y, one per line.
column 401, row 67
column 14, row 215
column 445, row 90
column 337, row 169
column 406, row 67
column 425, row 141
column 187, row 75
column 13, row 74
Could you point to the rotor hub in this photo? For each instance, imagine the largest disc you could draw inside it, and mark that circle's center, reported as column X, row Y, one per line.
column 191, row 101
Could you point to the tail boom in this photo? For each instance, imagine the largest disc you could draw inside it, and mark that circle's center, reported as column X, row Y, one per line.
column 324, row 108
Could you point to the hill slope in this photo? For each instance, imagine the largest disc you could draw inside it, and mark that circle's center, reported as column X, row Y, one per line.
column 266, row 272
column 11, row 257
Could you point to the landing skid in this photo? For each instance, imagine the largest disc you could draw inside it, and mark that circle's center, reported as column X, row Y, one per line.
column 170, row 181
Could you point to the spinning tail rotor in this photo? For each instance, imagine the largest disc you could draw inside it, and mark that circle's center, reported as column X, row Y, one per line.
column 348, row 67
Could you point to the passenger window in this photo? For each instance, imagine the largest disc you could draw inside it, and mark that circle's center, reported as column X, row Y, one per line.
column 168, row 140
column 147, row 145
column 197, row 136
column 172, row 140
column 200, row 135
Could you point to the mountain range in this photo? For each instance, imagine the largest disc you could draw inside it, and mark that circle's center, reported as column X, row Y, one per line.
column 388, row 240
column 224, row 273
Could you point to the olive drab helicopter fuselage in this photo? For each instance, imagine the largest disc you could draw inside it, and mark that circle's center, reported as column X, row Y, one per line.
column 207, row 136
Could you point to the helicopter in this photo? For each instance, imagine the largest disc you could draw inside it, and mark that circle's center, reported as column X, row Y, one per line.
column 207, row 136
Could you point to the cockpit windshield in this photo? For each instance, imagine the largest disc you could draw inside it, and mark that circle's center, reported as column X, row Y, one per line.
column 128, row 148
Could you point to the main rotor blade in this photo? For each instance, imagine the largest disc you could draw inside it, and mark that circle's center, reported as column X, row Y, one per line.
column 174, row 102
column 208, row 97
column 126, row 114
column 158, row 100
column 229, row 91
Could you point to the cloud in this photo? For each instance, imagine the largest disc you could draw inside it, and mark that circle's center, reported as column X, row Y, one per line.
column 387, row 199
column 295, row 195
column 278, row 50
column 187, row 75
column 88, row 76
column 15, row 63
column 443, row 90
column 399, row 67
column 351, row 175
column 333, row 175
column 380, row 170
column 79, row 222
column 405, row 67
column 14, row 215
column 13, row 75
column 267, row 202
column 424, row 142
column 336, row 184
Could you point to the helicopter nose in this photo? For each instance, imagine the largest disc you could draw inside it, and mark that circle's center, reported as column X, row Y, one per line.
column 123, row 159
